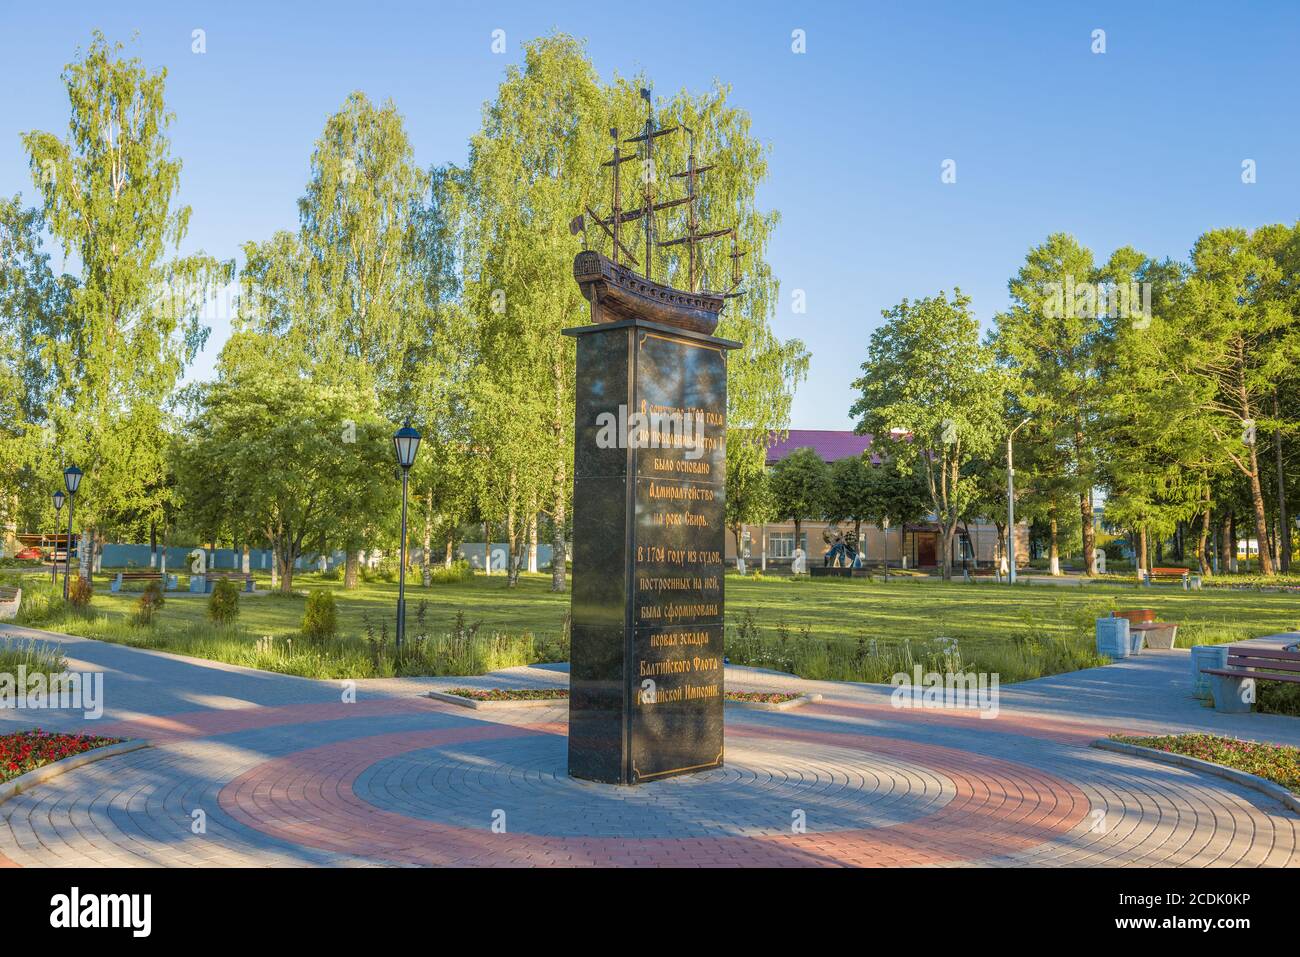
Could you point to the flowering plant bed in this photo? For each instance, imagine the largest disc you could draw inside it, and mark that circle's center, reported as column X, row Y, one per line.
column 509, row 694
column 1273, row 762
column 25, row 751
column 499, row 697
column 768, row 700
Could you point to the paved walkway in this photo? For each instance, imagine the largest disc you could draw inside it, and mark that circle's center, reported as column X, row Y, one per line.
column 250, row 768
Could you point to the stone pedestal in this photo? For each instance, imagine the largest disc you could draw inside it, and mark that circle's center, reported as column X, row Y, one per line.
column 646, row 679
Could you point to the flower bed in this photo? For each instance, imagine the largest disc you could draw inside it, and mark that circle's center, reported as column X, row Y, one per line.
column 25, row 751
column 509, row 694
column 1273, row 762
column 757, row 697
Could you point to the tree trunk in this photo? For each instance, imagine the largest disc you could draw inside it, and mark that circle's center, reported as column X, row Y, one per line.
column 1283, row 520
column 351, row 566
column 561, row 416
column 1227, row 546
column 451, row 547
column 1143, row 562
column 1089, row 534
column 487, row 548
column 85, row 549
column 426, row 569
column 513, row 549
column 558, row 513
column 286, row 570
column 1054, row 551
column 153, row 544
column 949, row 531
column 532, row 542
column 1203, row 541
column 798, row 534
column 1261, row 520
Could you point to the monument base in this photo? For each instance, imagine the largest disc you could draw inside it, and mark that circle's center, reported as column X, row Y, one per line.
column 829, row 571
column 646, row 655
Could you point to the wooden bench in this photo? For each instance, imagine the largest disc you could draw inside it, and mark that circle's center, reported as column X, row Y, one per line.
column 1234, row 686
column 1137, row 616
column 115, row 585
column 11, row 598
column 211, row 577
column 1181, row 575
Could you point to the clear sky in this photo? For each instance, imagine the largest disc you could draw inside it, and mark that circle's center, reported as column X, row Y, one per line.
column 1140, row 145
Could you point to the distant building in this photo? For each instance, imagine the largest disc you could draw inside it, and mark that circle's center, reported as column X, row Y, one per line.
column 915, row 545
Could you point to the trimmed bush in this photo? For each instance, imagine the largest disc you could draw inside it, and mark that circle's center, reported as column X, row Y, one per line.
column 320, row 620
column 80, row 592
column 223, row 606
column 148, row 603
column 457, row 573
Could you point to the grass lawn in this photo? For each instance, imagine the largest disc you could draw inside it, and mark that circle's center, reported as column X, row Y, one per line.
column 849, row 629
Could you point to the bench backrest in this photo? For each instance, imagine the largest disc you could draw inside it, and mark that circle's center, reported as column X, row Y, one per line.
column 127, row 576
column 1271, row 659
column 1170, row 571
column 1138, row 616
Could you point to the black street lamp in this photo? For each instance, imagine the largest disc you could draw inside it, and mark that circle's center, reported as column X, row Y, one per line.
column 406, row 441
column 71, row 481
column 54, row 561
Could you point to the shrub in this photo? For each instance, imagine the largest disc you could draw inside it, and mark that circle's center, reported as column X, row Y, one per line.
column 148, row 603
column 332, row 574
column 320, row 620
column 458, row 572
column 223, row 606
column 80, row 592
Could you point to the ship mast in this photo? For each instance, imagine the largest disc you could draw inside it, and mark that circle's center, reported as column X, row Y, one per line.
column 693, row 236
column 646, row 212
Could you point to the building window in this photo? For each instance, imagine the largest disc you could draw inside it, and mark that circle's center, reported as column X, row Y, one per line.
column 781, row 544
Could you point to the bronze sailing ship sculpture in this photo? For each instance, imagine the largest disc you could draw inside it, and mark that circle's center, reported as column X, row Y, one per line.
column 612, row 287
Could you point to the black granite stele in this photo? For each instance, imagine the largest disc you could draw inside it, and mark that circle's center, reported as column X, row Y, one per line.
column 646, row 688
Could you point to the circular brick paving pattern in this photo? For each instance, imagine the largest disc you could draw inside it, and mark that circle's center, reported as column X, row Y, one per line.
column 402, row 782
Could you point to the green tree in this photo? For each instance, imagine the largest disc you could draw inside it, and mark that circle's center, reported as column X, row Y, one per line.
column 800, row 487
column 749, row 498
column 1238, row 341
column 130, row 321
column 852, row 492
column 534, row 165
column 927, row 376
column 356, row 287
column 1049, row 341
column 275, row 455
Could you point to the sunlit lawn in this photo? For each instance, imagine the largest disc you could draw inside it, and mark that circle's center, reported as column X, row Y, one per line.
column 848, row 610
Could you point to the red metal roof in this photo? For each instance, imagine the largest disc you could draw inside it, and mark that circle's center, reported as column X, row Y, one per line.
column 829, row 444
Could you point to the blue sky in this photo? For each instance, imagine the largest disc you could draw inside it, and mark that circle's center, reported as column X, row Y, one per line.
column 1141, row 145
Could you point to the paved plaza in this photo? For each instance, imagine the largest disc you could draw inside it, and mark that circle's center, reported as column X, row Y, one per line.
column 251, row 768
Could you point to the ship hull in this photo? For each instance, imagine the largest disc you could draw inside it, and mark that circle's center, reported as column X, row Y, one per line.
column 617, row 293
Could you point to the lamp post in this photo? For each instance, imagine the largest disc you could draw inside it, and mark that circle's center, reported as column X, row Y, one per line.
column 54, row 562
column 1011, row 506
column 71, row 481
column 405, row 443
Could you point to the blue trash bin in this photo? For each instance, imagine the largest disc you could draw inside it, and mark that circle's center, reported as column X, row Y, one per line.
column 1206, row 656
column 1113, row 639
